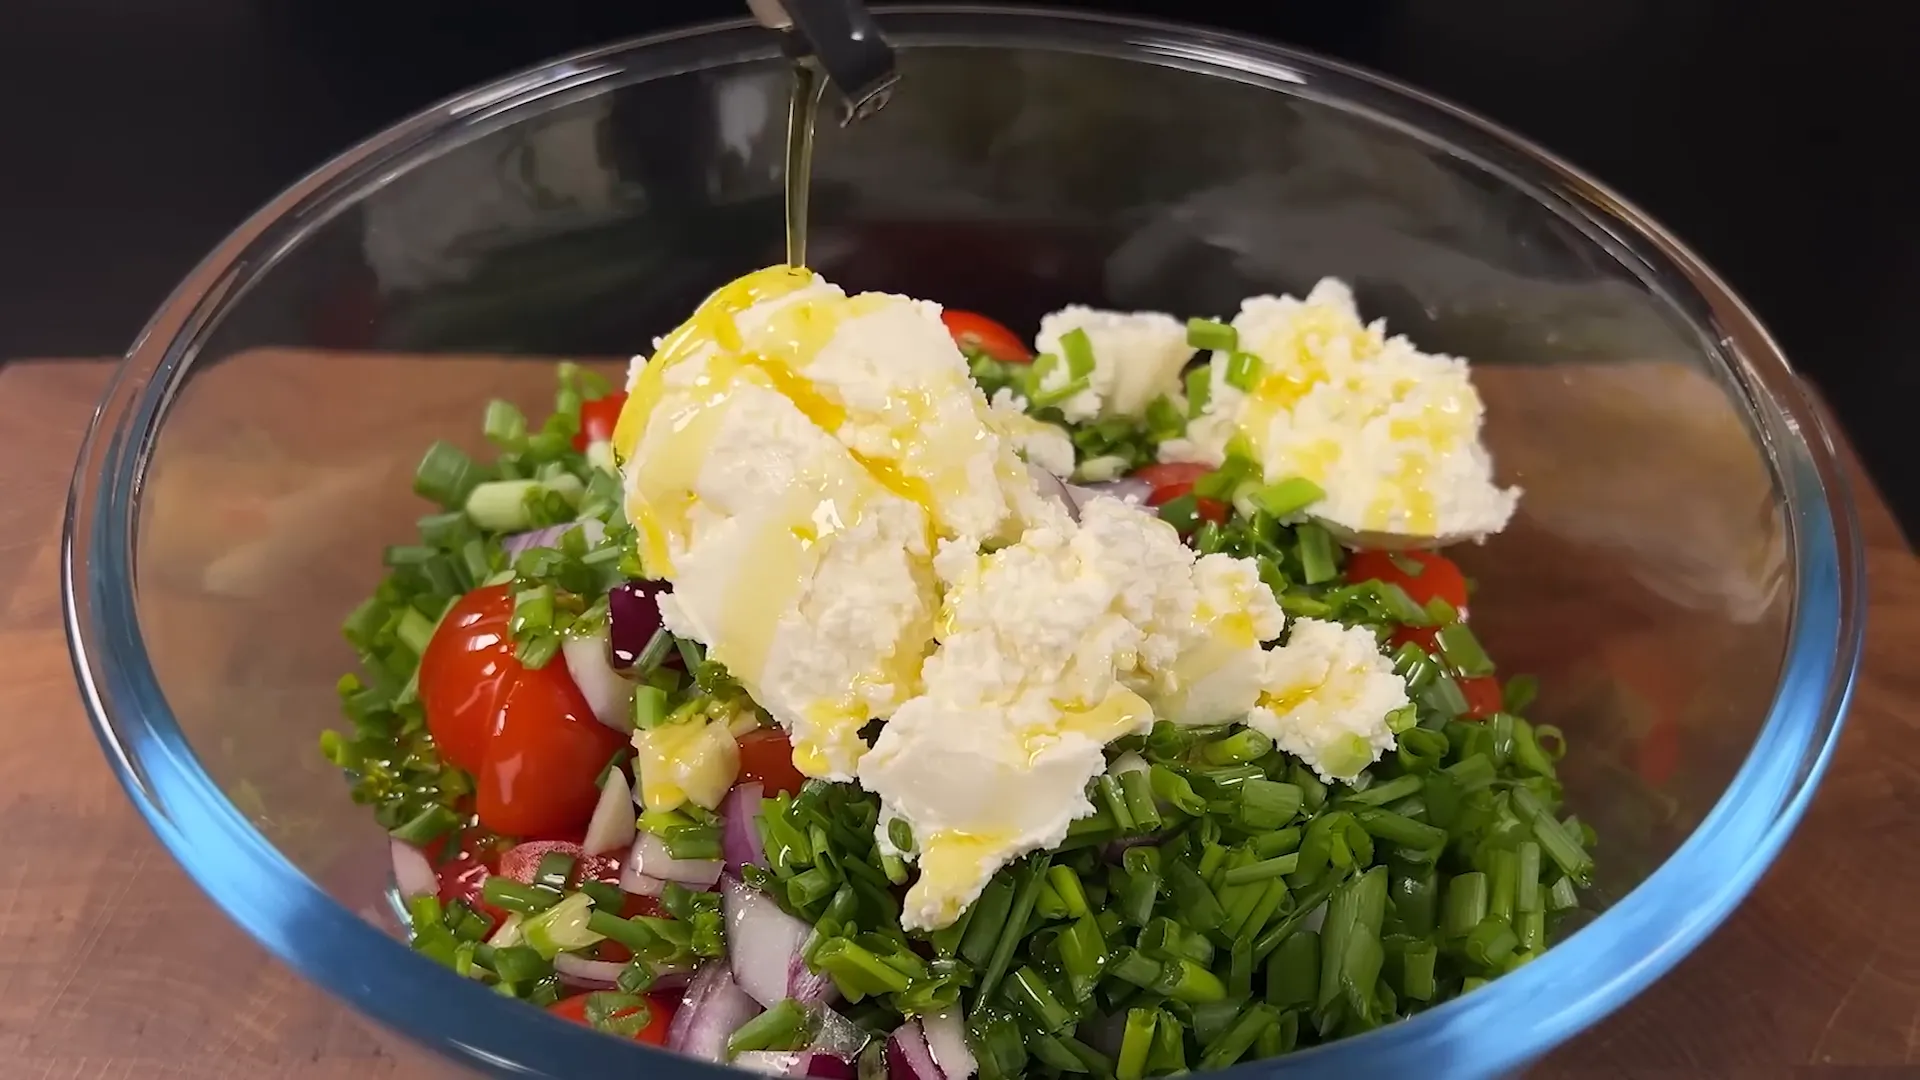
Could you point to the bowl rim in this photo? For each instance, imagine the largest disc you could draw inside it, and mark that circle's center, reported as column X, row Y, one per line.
column 1514, row 1021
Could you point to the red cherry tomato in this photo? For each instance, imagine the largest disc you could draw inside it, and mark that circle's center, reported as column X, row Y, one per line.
column 527, row 735
column 971, row 331
column 464, row 876
column 767, row 756
column 522, row 861
column 1483, row 696
column 597, row 418
column 1438, row 575
column 1427, row 637
column 1165, row 475
column 661, row 1006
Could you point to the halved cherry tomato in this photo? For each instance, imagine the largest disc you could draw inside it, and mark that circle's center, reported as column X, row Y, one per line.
column 1163, row 475
column 597, row 418
column 527, row 735
column 464, row 876
column 1483, row 696
column 971, row 331
column 1427, row 637
column 522, row 861
column 1438, row 575
column 661, row 1006
column 767, row 756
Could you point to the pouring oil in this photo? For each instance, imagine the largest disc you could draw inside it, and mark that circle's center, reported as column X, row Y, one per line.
column 803, row 110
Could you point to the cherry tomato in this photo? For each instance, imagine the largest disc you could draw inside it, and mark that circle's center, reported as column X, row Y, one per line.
column 1438, row 575
column 1483, row 696
column 597, row 418
column 1171, row 474
column 464, row 876
column 522, row 861
column 971, row 331
column 661, row 1006
column 527, row 735
column 767, row 756
column 1427, row 637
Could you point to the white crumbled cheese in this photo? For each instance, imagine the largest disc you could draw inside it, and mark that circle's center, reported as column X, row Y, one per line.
column 1040, row 443
column 1327, row 697
column 790, row 456
column 1137, row 357
column 1039, row 646
column 1221, row 669
column 1391, row 434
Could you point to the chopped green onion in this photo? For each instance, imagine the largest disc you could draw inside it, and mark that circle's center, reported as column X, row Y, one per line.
column 1078, row 349
column 510, row 895
column 1232, row 1045
column 1033, row 998
column 1263, row 870
column 1293, row 971
column 1031, row 877
column 1212, row 334
column 1316, row 554
column 1417, row 965
column 1491, row 942
column 554, row 869
column 1559, row 844
column 1266, row 804
column 1243, row 370
column 988, row 917
column 446, row 475
column 786, row 1025
column 427, row 826
column 1135, row 1041
column 502, row 505
column 1287, row 497
column 518, row 963
column 1520, row 692
column 1466, row 904
column 1397, row 829
column 505, row 425
column 1561, row 897
column 1199, row 390
column 1462, row 650
column 1198, row 906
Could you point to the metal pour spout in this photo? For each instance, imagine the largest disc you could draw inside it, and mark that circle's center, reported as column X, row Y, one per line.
column 841, row 37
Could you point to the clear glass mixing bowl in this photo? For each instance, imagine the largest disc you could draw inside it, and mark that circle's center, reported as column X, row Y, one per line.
column 1684, row 573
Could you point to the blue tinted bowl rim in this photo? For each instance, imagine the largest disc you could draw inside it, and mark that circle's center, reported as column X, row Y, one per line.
column 1494, row 1030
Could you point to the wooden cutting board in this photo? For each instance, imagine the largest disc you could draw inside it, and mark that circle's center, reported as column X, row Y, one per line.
column 113, row 965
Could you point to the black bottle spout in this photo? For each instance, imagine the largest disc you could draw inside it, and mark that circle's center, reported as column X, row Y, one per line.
column 840, row 37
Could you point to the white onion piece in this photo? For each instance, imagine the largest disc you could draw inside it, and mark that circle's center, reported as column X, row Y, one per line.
column 907, row 1055
column 739, row 836
column 591, row 974
column 711, row 1009
column 649, row 858
column 592, row 670
column 947, row 1043
column 838, row 1036
column 612, row 827
column 412, row 874
column 762, row 941
column 1127, row 489
column 1052, row 487
column 639, row 884
column 772, row 1062
column 1126, row 763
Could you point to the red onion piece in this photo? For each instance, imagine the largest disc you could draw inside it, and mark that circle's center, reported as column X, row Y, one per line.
column 711, row 1009
column 520, row 542
column 907, row 1055
column 947, row 1044
column 762, row 941
column 828, row 1067
column 591, row 974
column 609, row 694
column 633, row 617
column 1127, row 489
column 740, row 837
column 649, row 858
column 809, row 987
column 412, row 874
column 612, row 827
column 639, row 884
column 795, row 1063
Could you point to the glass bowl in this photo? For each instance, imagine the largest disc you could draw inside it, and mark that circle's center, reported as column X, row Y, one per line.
column 1684, row 573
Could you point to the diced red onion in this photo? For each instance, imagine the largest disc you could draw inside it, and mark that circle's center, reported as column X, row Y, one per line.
column 591, row 974
column 711, row 1009
column 412, row 874
column 809, row 987
column 519, row 542
column 838, row 1036
column 612, row 827
column 649, row 858
column 609, row 694
column 739, row 836
column 1127, row 489
column 947, row 1044
column 633, row 617
column 1052, row 487
column 907, row 1055
column 762, row 941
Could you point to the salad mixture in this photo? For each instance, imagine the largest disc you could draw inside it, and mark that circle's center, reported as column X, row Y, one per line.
column 862, row 691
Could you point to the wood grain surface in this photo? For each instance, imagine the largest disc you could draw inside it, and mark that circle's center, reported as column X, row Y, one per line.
column 113, row 965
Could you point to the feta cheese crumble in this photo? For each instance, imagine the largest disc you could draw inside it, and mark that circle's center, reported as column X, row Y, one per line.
column 1327, row 698
column 1391, row 434
column 1137, row 357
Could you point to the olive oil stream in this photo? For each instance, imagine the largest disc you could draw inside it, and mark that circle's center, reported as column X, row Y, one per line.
column 803, row 110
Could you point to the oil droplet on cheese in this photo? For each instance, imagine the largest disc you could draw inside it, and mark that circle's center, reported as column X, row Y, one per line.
column 951, row 863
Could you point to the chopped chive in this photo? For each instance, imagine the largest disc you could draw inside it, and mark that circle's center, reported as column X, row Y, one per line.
column 446, row 475
column 1263, row 870
column 502, row 505
column 1559, row 844
column 1135, row 1041
column 510, row 895
column 1503, row 879
column 1526, row 887
column 1033, row 998
column 1396, row 829
column 1286, row 497
column 1520, row 692
column 1212, row 334
column 427, row 826
column 1031, row 877
column 786, row 1025
column 1293, row 971
column 1316, row 555
column 1466, row 904
column 1243, row 370
column 1562, row 896
column 1232, row 1045
column 1137, row 788
column 1198, row 906
column 1491, row 942
column 505, row 425
column 1078, row 351
column 1462, row 650
column 554, row 869
column 989, row 916
column 1199, row 390
column 520, row 963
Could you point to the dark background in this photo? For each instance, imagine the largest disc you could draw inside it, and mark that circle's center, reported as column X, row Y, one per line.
column 1773, row 138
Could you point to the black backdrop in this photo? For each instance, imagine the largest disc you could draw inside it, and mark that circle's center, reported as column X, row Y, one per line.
column 1773, row 138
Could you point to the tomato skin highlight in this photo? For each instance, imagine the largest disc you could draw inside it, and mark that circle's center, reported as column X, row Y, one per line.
column 1439, row 576
column 526, row 735
column 1168, row 474
column 597, row 418
column 661, row 1006
column 974, row 331
column 767, row 756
